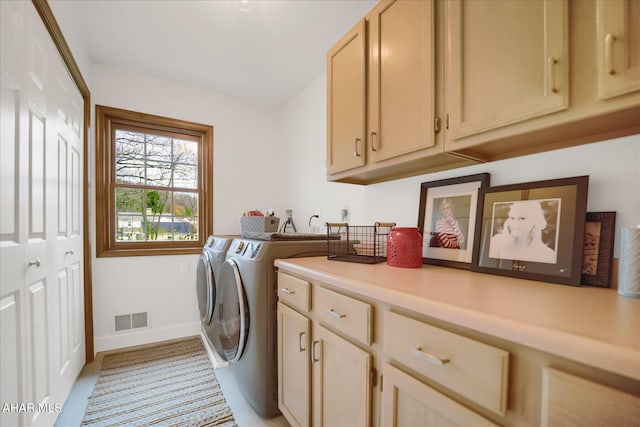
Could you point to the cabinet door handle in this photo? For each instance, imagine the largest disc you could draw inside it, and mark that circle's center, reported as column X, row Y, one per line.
column 440, row 361
column 551, row 74
column 608, row 53
column 313, row 352
column 69, row 252
column 35, row 262
column 373, row 138
column 356, row 147
column 287, row 291
column 335, row 314
column 301, row 347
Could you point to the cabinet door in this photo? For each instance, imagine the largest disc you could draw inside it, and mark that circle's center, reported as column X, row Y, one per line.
column 346, row 101
column 294, row 390
column 570, row 400
column 408, row 402
column 506, row 62
column 341, row 389
column 401, row 78
column 618, row 38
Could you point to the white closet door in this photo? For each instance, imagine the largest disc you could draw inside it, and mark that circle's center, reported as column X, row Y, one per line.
column 41, row 292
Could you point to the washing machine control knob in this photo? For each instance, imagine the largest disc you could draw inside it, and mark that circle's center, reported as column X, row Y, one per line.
column 239, row 247
column 254, row 248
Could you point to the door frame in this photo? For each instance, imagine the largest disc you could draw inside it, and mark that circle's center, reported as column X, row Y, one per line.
column 50, row 23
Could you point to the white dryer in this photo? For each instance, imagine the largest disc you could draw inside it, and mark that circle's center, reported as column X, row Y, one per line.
column 246, row 313
column 209, row 264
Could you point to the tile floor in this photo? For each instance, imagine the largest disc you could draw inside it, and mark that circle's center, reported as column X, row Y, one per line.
column 75, row 406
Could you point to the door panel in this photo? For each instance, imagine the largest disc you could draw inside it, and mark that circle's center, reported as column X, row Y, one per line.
column 346, row 102
column 618, row 47
column 11, row 367
column 37, row 210
column 401, row 78
column 41, row 235
column 39, row 348
column 294, row 381
column 491, row 41
column 63, row 154
column 342, row 392
column 65, row 308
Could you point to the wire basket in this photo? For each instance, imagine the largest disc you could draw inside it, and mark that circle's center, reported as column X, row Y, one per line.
column 365, row 244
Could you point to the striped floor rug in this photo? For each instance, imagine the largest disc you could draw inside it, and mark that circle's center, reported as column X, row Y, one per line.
column 170, row 384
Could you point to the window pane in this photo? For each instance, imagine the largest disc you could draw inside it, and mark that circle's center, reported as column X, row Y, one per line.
column 158, row 148
column 129, row 157
column 185, row 208
column 129, row 209
column 133, row 174
column 185, row 152
column 159, row 215
column 159, row 173
column 185, row 176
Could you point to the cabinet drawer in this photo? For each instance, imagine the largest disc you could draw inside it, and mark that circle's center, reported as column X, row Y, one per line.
column 294, row 292
column 470, row 368
column 345, row 314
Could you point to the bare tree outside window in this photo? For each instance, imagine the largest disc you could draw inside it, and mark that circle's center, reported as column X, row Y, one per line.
column 156, row 187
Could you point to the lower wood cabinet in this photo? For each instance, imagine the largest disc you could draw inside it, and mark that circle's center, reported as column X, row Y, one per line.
column 341, row 375
column 294, row 368
column 349, row 360
column 408, row 402
column 568, row 400
column 323, row 379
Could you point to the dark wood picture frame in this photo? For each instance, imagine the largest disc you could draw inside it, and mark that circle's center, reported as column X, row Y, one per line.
column 597, row 258
column 458, row 196
column 532, row 230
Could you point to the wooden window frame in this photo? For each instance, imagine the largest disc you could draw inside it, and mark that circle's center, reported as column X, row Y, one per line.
column 107, row 119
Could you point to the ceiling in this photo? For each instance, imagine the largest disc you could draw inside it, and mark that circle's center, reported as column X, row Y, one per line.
column 266, row 55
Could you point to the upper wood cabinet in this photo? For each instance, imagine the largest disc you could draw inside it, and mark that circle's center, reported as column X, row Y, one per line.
column 523, row 77
column 401, row 78
column 346, row 113
column 435, row 84
column 618, row 47
column 506, row 62
column 391, row 129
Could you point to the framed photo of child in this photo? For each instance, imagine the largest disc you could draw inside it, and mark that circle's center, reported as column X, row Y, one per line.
column 447, row 219
column 533, row 230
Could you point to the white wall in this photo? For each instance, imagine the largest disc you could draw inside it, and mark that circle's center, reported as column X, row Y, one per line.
column 266, row 158
column 247, row 174
column 613, row 168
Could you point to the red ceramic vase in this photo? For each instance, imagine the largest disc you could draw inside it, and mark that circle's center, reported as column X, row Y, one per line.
column 404, row 247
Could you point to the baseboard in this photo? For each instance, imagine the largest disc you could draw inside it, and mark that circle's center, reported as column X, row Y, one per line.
column 145, row 336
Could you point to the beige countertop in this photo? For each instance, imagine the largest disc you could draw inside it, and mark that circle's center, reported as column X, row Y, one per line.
column 590, row 325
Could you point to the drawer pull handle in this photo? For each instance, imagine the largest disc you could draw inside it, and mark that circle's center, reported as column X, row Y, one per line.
column 313, row 352
column 301, row 347
column 417, row 351
column 333, row 313
column 551, row 74
column 35, row 262
column 608, row 53
column 287, row 291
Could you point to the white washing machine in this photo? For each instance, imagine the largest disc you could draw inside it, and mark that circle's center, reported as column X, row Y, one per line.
column 246, row 313
column 209, row 264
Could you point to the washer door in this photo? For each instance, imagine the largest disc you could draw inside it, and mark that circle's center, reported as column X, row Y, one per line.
column 205, row 289
column 233, row 315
